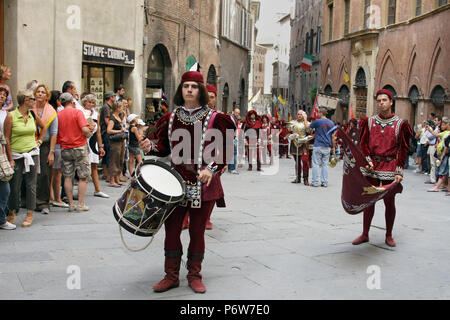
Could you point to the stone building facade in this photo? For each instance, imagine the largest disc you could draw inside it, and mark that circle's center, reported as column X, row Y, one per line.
column 259, row 65
column 145, row 45
column 306, row 36
column 57, row 40
column 399, row 45
column 280, row 76
column 179, row 33
column 237, row 27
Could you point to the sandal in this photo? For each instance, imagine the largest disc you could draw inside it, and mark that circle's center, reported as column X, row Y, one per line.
column 27, row 222
column 114, row 185
column 11, row 218
column 432, row 190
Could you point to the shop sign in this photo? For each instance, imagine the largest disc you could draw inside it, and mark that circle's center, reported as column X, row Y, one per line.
column 96, row 53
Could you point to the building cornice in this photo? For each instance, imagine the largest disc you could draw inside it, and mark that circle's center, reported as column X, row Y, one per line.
column 368, row 33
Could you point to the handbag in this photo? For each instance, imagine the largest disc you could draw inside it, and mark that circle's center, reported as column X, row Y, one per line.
column 118, row 136
column 6, row 171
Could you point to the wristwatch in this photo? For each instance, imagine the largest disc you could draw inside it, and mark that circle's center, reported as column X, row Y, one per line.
column 212, row 167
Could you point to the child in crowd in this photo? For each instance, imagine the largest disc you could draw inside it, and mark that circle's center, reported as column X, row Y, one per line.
column 133, row 143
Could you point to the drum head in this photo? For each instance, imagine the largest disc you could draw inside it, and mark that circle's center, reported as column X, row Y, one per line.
column 161, row 180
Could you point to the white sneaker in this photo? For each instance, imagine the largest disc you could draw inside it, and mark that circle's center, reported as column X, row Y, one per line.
column 8, row 226
column 100, row 194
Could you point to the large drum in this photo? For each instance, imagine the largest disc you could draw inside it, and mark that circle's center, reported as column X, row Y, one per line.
column 152, row 195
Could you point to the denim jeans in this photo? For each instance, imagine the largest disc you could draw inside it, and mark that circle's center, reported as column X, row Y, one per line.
column 320, row 157
column 232, row 166
column 4, row 196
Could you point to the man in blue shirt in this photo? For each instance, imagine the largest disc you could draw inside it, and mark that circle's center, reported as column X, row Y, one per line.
column 324, row 141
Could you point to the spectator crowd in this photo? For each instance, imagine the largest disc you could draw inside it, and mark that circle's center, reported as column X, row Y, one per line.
column 57, row 140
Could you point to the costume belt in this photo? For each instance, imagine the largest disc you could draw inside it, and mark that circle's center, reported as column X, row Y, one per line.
column 382, row 159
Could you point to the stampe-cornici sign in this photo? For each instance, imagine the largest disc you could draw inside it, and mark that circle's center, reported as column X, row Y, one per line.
column 97, row 53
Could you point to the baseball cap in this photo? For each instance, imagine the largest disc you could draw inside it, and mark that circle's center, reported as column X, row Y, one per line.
column 65, row 98
column 131, row 117
column 141, row 123
column 109, row 94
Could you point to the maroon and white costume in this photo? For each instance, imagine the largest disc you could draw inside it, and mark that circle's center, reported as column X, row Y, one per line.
column 200, row 198
column 385, row 143
column 252, row 146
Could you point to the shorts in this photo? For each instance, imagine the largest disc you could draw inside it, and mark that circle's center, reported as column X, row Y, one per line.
column 76, row 159
column 134, row 150
column 58, row 160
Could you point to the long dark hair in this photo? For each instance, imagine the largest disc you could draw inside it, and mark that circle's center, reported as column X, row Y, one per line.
column 54, row 97
column 203, row 99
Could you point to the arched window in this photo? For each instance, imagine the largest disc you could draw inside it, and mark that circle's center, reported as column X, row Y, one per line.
column 413, row 95
column 438, row 96
column 328, row 90
column 156, row 67
column 344, row 95
column 360, row 81
column 211, row 79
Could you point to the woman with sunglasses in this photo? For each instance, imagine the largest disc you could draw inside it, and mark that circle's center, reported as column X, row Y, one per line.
column 25, row 152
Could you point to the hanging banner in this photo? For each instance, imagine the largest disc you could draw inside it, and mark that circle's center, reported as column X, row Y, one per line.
column 326, row 101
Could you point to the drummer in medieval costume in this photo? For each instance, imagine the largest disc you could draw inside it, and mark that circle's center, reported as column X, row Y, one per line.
column 251, row 127
column 300, row 137
column 203, row 187
column 385, row 144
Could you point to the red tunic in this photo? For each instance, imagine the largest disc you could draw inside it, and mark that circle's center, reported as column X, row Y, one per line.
column 385, row 142
column 188, row 167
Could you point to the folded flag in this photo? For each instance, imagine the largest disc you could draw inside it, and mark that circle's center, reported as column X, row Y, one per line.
column 307, row 62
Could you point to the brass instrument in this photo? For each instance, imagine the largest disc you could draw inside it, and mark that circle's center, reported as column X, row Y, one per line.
column 333, row 161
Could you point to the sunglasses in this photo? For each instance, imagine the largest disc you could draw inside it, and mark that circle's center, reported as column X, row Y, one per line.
column 32, row 99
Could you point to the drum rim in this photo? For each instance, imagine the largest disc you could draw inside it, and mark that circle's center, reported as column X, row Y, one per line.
column 155, row 193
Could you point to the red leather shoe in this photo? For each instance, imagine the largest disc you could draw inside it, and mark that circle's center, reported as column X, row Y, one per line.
column 361, row 239
column 171, row 280
column 194, row 277
column 209, row 225
column 390, row 241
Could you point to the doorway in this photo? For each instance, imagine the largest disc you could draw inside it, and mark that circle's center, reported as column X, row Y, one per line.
column 361, row 94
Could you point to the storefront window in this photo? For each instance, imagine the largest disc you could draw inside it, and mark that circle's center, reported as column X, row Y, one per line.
column 99, row 79
column 110, row 77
